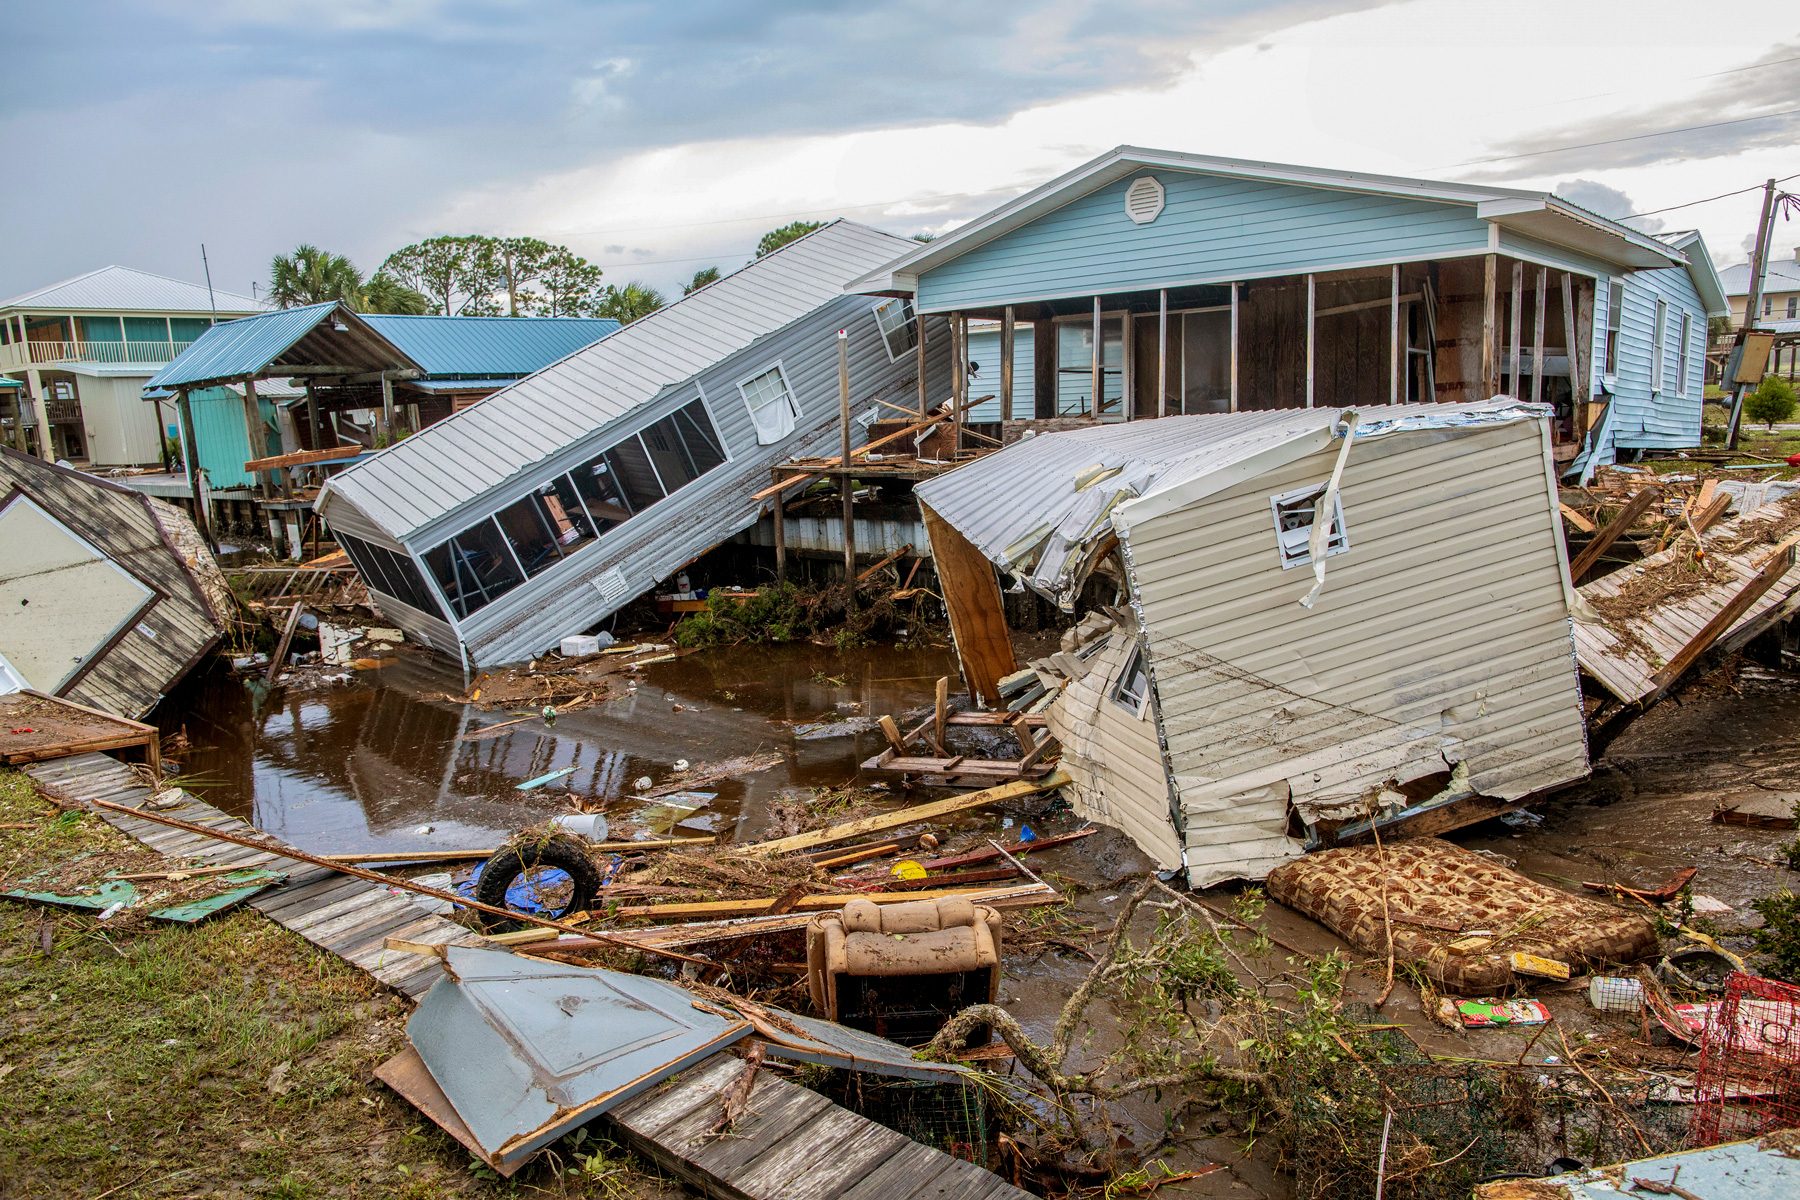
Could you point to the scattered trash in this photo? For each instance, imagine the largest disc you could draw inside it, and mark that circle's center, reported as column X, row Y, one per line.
column 1483, row 1014
column 1616, row 993
column 541, row 780
column 588, row 825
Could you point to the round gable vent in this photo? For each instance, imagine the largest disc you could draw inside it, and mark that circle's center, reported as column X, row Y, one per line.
column 1144, row 199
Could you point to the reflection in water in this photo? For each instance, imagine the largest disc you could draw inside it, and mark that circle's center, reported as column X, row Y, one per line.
column 363, row 764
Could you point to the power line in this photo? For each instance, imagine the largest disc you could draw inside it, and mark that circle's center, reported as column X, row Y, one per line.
column 1636, row 137
column 1689, row 204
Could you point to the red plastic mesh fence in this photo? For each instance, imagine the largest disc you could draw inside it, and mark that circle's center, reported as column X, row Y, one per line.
column 1749, row 1078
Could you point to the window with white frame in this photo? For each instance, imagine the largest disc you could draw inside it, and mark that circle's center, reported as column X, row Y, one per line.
column 1659, row 342
column 1615, row 311
column 1681, row 354
column 771, row 403
column 1295, row 512
column 1133, row 686
column 1793, row 307
column 899, row 326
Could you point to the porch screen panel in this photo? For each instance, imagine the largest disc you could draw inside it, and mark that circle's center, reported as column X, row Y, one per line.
column 602, row 493
column 1075, row 363
column 475, row 567
column 631, row 465
column 1206, row 362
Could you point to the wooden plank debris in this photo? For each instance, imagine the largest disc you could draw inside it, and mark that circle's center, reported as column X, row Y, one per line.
column 1602, row 541
column 908, row 816
column 36, row 727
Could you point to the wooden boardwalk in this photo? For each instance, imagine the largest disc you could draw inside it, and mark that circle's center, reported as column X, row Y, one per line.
column 792, row 1144
column 352, row 918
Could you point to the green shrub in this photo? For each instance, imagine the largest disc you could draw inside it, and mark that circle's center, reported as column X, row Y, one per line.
column 1774, row 400
column 1778, row 940
column 773, row 614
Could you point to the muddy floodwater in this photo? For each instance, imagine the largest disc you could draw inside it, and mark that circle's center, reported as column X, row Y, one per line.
column 369, row 760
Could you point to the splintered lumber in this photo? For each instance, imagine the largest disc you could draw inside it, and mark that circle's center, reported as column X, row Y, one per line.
column 1575, row 517
column 972, row 597
column 269, row 846
column 1590, row 554
column 426, row 856
column 1725, row 618
column 1707, row 514
column 908, row 816
column 989, row 853
column 706, row 910
column 279, row 658
column 304, row 458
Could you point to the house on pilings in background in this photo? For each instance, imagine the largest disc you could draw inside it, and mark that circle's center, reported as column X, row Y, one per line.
column 274, row 402
column 540, row 511
column 1148, row 283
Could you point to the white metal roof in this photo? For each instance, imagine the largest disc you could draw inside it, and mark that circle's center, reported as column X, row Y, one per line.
column 1539, row 214
column 519, row 426
column 1783, row 276
column 123, row 289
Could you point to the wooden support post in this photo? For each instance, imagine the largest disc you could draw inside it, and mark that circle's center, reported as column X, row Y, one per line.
column 1006, row 364
column 1490, row 350
column 387, row 408
column 1537, row 335
column 1312, row 307
column 253, row 427
column 190, row 453
column 977, row 614
column 959, row 379
column 1394, row 337
column 846, row 484
column 924, row 391
column 1044, row 399
column 1514, row 330
column 1094, row 367
column 1234, row 348
column 1572, row 347
column 1590, row 554
column 1777, row 565
column 778, row 518
column 1162, row 352
column 940, row 713
column 1127, row 373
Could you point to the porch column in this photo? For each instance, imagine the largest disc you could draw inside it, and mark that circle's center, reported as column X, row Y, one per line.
column 1094, row 365
column 1162, row 352
column 40, row 404
column 1537, row 335
column 1127, row 371
column 1234, row 345
column 1490, row 351
column 1394, row 338
column 1513, row 330
column 190, row 457
column 387, row 405
column 959, row 378
column 778, row 513
column 1006, row 364
column 1312, row 307
column 252, row 427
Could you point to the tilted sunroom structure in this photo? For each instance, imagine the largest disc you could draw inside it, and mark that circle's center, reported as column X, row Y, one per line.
column 1248, row 681
column 538, row 512
column 1150, row 283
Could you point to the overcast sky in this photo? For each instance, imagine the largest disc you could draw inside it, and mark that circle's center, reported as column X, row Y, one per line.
column 660, row 137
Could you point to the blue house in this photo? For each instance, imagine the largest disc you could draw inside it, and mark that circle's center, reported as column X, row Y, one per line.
column 1148, row 283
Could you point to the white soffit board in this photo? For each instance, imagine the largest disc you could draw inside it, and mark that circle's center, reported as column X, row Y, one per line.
column 61, row 599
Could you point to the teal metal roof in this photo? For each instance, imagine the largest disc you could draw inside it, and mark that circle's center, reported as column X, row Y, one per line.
column 5, row 382
column 240, row 348
column 489, row 347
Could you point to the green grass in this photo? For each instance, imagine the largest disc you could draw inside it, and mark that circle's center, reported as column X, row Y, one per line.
column 225, row 1058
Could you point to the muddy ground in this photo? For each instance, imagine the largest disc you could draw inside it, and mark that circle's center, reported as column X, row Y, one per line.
column 378, row 759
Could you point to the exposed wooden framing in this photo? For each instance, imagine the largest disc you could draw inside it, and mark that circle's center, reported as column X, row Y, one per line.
column 1578, row 519
column 1043, row 367
column 1338, row 310
column 1777, row 565
column 279, row 659
column 1490, row 350
column 1162, row 352
column 1094, row 367
column 1006, row 364
column 1312, row 319
column 1537, row 335
column 924, row 391
column 1578, row 379
column 1394, row 338
column 977, row 617
column 1602, row 541
column 1514, row 330
column 908, row 816
column 846, row 484
column 1234, row 347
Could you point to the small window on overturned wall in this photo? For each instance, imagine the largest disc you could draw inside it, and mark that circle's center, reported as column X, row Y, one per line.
column 1133, row 686
column 771, row 403
column 899, row 327
column 1294, row 513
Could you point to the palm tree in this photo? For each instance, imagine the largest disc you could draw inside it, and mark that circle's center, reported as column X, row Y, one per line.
column 312, row 276
column 626, row 304
column 385, row 294
column 702, row 277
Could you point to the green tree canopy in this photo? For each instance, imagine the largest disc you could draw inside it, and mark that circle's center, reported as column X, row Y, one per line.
column 568, row 286
column 1773, row 400
column 452, row 272
column 476, row 275
column 516, row 263
column 775, row 239
column 702, row 277
column 385, row 294
column 313, row 276
column 626, row 304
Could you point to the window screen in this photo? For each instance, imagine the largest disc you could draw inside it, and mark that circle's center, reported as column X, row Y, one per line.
column 390, row 573
column 475, row 567
column 682, row 446
column 602, row 493
column 527, row 527
column 1294, row 513
column 1134, row 682
column 899, row 328
column 771, row 404
column 631, row 465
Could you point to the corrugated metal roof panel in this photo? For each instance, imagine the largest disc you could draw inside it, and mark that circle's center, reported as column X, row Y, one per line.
column 122, row 289
column 490, row 346
column 516, row 428
column 241, row 347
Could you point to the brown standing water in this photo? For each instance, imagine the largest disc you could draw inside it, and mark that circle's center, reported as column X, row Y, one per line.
column 364, row 762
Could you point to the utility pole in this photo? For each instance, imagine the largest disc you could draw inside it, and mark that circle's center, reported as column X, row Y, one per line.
column 1759, row 266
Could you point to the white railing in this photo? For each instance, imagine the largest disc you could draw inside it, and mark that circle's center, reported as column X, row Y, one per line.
column 19, row 355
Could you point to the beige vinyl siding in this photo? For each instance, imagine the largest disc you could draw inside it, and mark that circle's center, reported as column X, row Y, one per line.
column 1441, row 637
column 1114, row 757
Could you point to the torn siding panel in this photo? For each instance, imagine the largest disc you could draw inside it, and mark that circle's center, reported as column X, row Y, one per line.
column 1443, row 627
column 1114, row 757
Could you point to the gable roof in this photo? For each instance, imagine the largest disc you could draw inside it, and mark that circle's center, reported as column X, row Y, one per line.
column 1783, row 276
column 488, row 347
column 319, row 334
column 1540, row 215
column 451, row 462
column 124, row 289
column 1700, row 269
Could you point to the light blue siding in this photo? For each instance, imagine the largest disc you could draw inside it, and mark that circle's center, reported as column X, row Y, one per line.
column 221, row 438
column 1669, row 418
column 1212, row 230
column 984, row 348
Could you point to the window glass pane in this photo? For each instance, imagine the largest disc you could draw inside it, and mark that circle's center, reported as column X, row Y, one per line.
column 474, row 567
column 527, row 527
column 1134, row 682
column 771, row 405
column 631, row 466
column 1206, row 362
column 1075, row 368
column 668, row 450
column 898, row 329
column 600, row 491
column 703, row 442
